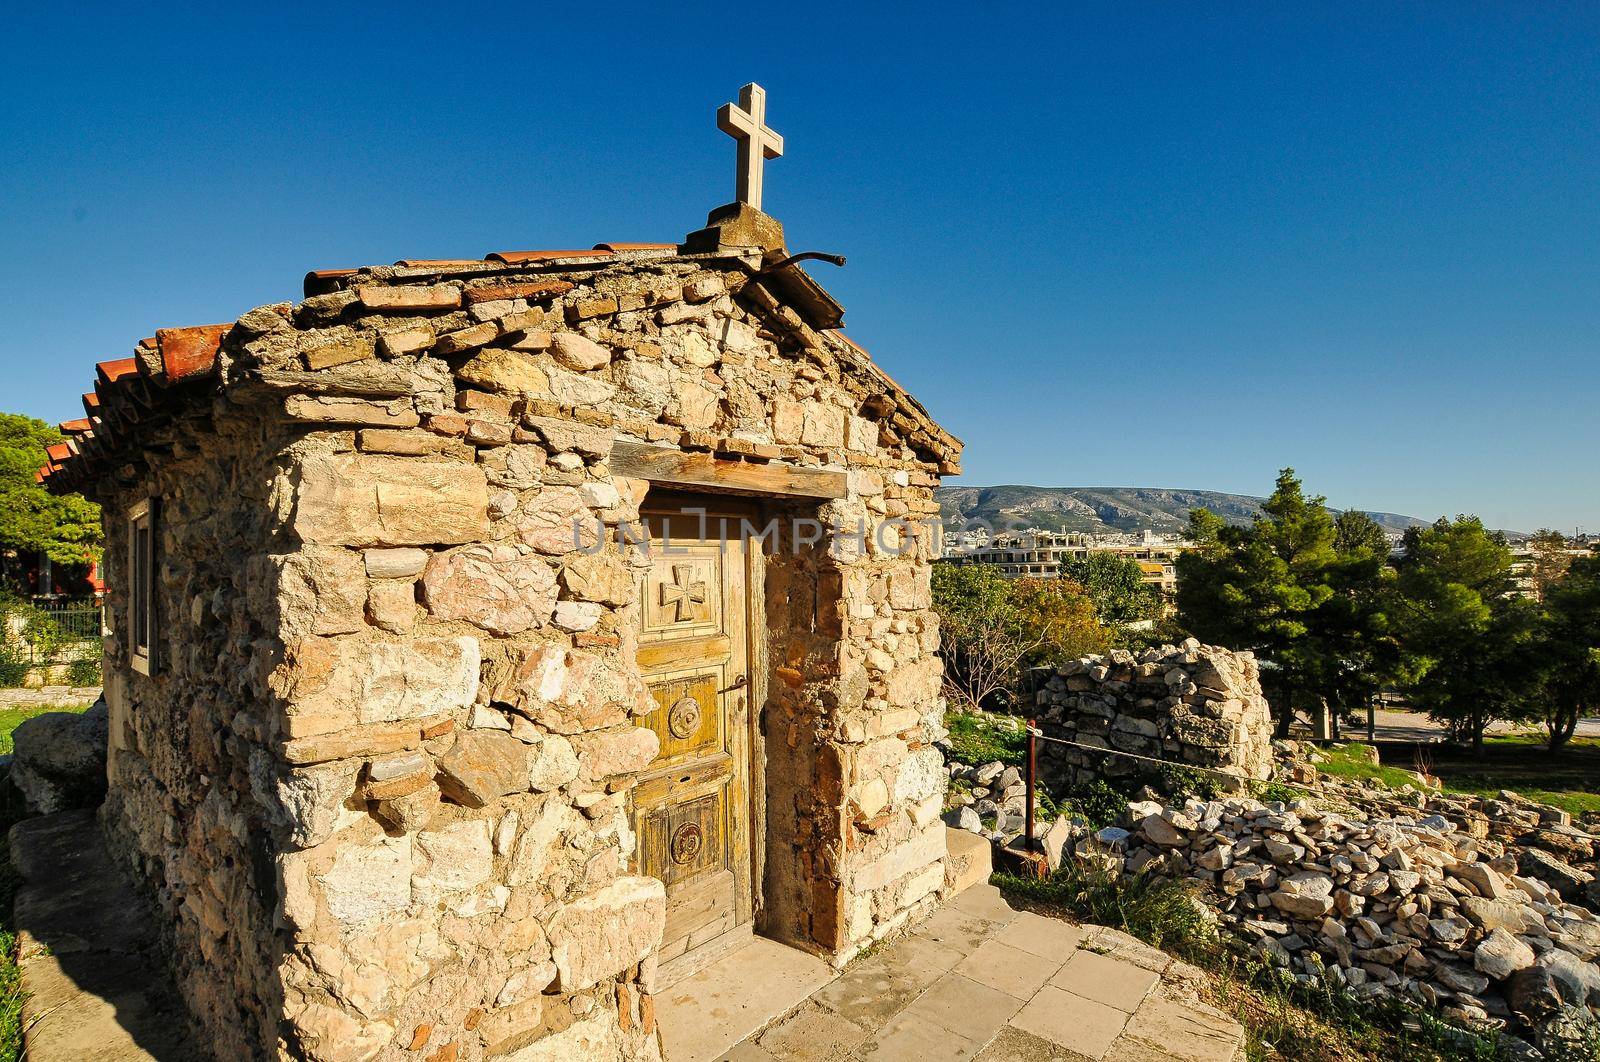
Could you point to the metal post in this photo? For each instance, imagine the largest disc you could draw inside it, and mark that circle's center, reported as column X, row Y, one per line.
column 1372, row 718
column 1033, row 767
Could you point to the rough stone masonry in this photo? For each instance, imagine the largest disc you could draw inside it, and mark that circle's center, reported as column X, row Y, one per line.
column 1190, row 704
column 378, row 781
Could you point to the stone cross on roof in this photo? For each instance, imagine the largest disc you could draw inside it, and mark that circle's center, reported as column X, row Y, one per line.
column 746, row 122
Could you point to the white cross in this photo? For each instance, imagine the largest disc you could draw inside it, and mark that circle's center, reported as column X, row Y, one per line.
column 746, row 122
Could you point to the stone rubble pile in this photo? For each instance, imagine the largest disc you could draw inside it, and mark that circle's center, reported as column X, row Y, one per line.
column 1403, row 905
column 1189, row 703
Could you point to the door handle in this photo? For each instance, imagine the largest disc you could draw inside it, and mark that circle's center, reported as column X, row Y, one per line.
column 738, row 684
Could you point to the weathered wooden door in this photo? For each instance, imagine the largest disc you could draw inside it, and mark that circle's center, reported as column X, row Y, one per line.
column 692, row 810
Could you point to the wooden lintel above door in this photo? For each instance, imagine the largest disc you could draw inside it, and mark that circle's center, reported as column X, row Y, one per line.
column 701, row 471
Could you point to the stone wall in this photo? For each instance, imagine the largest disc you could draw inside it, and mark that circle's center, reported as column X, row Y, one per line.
column 380, row 783
column 1193, row 704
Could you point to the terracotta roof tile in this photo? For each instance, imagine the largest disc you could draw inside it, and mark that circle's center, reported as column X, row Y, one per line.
column 74, row 427
column 438, row 263
column 189, row 352
column 622, row 248
column 58, row 451
column 524, row 257
column 91, row 402
column 111, row 371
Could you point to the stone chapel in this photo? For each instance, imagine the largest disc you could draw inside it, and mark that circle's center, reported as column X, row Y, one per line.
column 495, row 640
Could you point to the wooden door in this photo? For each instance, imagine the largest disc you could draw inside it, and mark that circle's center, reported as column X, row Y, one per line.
column 692, row 808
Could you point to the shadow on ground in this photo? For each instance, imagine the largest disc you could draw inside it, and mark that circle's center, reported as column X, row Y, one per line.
column 96, row 986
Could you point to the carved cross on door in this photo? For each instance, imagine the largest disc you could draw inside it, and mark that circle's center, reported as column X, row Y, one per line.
column 683, row 592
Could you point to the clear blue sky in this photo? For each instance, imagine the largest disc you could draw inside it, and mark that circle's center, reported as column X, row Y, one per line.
column 1106, row 245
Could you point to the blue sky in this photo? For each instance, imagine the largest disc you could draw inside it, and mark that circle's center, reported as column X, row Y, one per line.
column 1105, row 244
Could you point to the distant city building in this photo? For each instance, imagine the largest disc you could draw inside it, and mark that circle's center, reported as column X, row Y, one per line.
column 1041, row 554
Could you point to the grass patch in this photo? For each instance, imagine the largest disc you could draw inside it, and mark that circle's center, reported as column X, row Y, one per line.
column 1283, row 1019
column 978, row 738
column 1568, row 778
column 11, row 811
column 11, row 718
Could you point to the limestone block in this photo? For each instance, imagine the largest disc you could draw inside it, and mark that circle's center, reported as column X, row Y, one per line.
column 506, row 372
column 595, row 1037
column 552, row 763
column 556, row 521
column 494, row 587
column 615, row 752
column 567, row 691
column 409, row 813
column 577, row 390
column 600, row 935
column 404, row 562
column 333, row 409
column 568, row 435
column 314, row 800
column 600, row 577
column 578, row 353
column 339, row 682
column 321, row 591
column 453, row 859
column 368, row 880
column 326, row 1034
column 483, row 765
column 921, row 775
column 920, row 850
column 392, row 606
column 545, row 827
column 382, row 500
column 576, row 616
column 915, row 685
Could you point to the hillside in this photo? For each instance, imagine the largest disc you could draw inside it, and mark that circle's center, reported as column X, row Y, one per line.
column 1104, row 509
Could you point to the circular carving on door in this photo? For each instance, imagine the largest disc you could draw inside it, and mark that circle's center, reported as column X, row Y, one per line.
column 686, row 843
column 683, row 718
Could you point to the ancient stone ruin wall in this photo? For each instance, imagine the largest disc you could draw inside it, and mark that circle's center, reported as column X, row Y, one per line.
column 1194, row 704
column 190, row 808
column 382, row 787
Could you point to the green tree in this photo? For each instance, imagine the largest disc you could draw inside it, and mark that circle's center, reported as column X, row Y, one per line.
column 1467, row 643
column 1301, row 589
column 992, row 629
column 1570, row 650
column 1116, row 586
column 33, row 521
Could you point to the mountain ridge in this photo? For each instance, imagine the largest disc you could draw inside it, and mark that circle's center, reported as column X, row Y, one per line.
column 1105, row 510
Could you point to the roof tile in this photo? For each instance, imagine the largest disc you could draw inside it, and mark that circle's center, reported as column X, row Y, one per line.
column 525, row 257
column 189, row 352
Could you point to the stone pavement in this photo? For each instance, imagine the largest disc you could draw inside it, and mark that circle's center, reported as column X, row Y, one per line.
column 94, row 986
column 980, row 980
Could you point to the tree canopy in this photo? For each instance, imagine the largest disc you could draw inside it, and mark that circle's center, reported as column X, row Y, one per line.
column 1298, row 586
column 993, row 629
column 1116, row 586
column 66, row 529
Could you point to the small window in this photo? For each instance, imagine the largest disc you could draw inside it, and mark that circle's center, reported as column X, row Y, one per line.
column 142, row 626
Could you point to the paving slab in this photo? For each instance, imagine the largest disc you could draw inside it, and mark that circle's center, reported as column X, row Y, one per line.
column 96, row 988
column 1106, row 979
column 1072, row 1021
column 877, row 988
column 812, row 1034
column 981, row 981
column 956, row 929
column 911, row 1039
column 707, row 1013
column 1014, row 1045
column 964, row 1007
column 1188, row 1031
column 985, row 901
column 1010, row 970
column 1049, row 937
